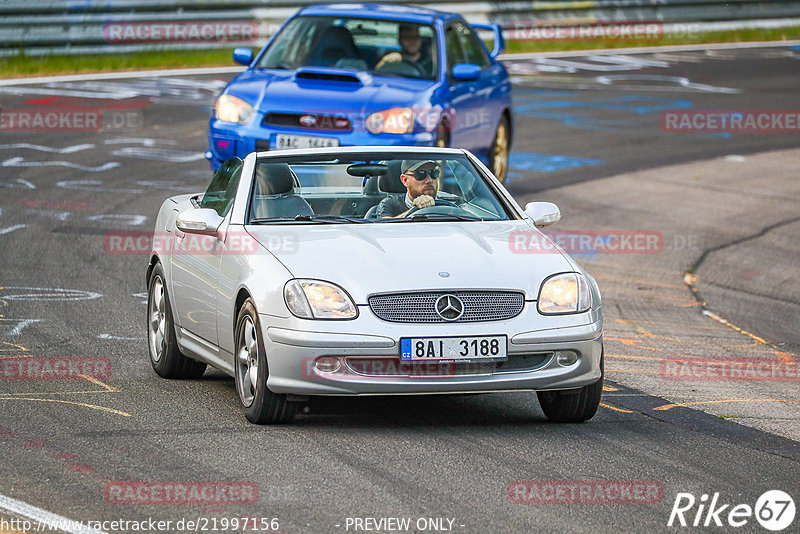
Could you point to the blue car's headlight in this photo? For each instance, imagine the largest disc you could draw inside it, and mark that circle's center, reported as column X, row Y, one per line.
column 313, row 299
column 393, row 121
column 232, row 109
column 564, row 293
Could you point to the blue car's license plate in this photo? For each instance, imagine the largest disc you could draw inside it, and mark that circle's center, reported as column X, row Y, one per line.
column 303, row 141
column 472, row 348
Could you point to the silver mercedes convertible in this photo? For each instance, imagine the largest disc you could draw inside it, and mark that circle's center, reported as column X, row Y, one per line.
column 370, row 271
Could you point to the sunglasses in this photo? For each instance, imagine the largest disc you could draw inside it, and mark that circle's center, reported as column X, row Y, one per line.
column 421, row 174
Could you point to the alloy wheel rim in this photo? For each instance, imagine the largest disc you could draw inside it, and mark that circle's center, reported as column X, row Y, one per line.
column 247, row 362
column 500, row 162
column 157, row 320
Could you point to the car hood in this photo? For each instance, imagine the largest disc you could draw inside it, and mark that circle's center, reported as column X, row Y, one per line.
column 387, row 257
column 283, row 91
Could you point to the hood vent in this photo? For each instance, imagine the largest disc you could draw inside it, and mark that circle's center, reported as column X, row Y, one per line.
column 328, row 75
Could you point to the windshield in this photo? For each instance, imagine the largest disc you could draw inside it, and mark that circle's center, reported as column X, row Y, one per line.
column 372, row 188
column 382, row 47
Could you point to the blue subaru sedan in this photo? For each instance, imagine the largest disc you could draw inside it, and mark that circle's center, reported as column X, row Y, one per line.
column 368, row 74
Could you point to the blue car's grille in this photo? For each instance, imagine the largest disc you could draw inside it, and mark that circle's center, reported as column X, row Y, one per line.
column 421, row 307
column 308, row 121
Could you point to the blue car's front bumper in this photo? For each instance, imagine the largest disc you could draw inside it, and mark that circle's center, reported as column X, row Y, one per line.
column 227, row 139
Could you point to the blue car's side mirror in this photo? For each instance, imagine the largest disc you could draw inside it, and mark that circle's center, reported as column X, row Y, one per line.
column 466, row 72
column 243, row 56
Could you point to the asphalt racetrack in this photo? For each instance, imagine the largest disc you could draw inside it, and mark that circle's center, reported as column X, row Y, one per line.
column 717, row 281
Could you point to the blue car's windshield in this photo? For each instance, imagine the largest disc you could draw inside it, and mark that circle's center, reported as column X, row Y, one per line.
column 373, row 188
column 381, row 47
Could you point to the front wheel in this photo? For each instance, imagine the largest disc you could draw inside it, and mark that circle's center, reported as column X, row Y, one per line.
column 572, row 406
column 261, row 406
column 498, row 153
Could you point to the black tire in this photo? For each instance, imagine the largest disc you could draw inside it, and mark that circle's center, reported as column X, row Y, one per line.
column 165, row 356
column 499, row 151
column 261, row 406
column 442, row 136
column 572, row 406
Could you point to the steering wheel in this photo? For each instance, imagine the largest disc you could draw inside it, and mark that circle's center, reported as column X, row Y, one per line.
column 443, row 207
column 417, row 67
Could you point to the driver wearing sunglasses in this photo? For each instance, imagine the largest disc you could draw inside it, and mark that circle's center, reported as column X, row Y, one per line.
column 420, row 179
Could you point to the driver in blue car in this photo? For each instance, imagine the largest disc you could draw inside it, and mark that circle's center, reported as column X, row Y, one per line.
column 419, row 177
column 411, row 50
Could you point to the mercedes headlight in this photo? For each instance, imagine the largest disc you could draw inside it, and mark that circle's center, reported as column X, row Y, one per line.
column 564, row 293
column 232, row 109
column 393, row 121
column 313, row 299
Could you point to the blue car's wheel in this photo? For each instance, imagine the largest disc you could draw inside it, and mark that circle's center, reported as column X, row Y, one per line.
column 442, row 136
column 498, row 153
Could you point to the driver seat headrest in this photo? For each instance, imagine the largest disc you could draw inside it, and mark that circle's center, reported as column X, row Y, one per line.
column 274, row 179
column 390, row 182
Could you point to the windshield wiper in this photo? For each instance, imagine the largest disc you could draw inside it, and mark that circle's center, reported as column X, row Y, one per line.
column 322, row 219
column 434, row 217
column 332, row 219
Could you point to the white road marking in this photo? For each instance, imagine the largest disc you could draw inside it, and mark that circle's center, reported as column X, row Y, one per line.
column 159, row 154
column 60, row 215
column 20, row 182
column 10, row 229
column 650, row 49
column 735, row 158
column 524, row 55
column 21, row 325
column 121, row 75
column 44, row 518
column 92, row 185
column 172, row 185
column 119, row 338
column 42, row 148
column 48, row 294
column 669, row 81
column 130, row 220
column 141, row 141
column 20, row 162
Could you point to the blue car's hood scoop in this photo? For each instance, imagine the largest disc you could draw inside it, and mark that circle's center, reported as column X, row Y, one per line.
column 324, row 74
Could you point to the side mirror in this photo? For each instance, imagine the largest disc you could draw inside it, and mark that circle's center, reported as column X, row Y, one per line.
column 243, row 56
column 543, row 213
column 199, row 221
column 466, row 72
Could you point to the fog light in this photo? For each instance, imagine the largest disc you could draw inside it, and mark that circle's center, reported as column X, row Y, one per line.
column 566, row 358
column 327, row 364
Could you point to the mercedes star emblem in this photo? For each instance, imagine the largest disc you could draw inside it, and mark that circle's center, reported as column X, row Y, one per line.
column 449, row 307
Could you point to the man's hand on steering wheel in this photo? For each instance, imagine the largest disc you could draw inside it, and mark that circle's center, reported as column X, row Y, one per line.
column 436, row 202
column 424, row 201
